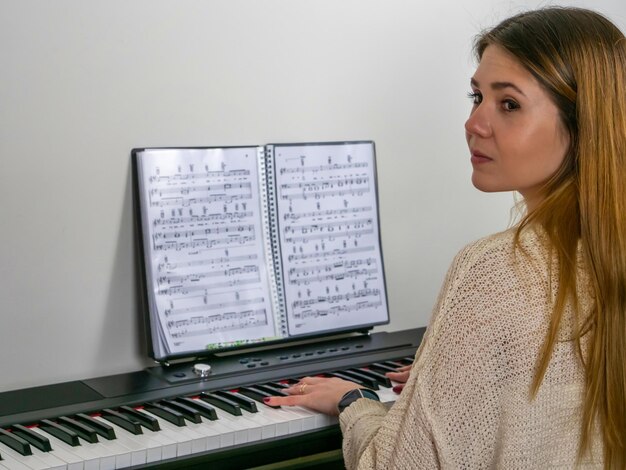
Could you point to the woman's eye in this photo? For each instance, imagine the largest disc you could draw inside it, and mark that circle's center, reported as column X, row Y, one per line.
column 475, row 96
column 510, row 105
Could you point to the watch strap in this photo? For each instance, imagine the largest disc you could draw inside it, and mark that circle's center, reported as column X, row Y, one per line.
column 353, row 395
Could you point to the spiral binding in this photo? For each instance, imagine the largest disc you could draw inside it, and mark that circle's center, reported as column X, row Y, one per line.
column 268, row 202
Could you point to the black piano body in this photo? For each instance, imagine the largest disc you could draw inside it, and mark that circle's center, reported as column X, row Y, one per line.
column 30, row 406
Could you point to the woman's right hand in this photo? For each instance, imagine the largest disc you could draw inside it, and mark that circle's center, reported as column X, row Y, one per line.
column 401, row 376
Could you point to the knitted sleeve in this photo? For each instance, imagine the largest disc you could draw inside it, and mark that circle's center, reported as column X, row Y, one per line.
column 403, row 436
column 449, row 413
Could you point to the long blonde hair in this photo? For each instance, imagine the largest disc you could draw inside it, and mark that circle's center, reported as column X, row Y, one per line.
column 579, row 56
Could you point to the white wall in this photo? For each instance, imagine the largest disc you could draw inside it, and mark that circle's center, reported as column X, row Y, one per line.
column 82, row 82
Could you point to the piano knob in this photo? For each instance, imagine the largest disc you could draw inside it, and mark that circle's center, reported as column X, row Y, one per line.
column 202, row 370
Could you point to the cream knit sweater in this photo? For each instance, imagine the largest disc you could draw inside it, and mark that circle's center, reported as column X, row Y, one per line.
column 466, row 404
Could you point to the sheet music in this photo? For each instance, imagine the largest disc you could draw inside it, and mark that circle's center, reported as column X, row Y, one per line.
column 204, row 244
column 328, row 224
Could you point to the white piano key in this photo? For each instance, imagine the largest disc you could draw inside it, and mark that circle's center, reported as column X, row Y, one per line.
column 308, row 417
column 30, row 461
column 159, row 445
column 286, row 423
column 61, row 451
column 176, row 443
column 214, row 434
column 141, row 448
column 168, row 440
column 11, row 463
column 112, row 453
column 105, row 454
column 192, row 440
column 51, row 460
column 94, row 455
column 386, row 394
column 225, row 426
column 268, row 427
column 255, row 430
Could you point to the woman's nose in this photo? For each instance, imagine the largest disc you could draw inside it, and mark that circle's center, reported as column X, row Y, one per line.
column 478, row 122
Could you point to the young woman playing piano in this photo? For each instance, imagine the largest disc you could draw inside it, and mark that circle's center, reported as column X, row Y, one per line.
column 523, row 363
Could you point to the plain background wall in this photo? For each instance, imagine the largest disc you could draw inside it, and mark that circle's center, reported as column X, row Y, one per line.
column 83, row 82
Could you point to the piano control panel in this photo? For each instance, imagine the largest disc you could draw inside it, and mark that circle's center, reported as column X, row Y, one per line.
column 272, row 358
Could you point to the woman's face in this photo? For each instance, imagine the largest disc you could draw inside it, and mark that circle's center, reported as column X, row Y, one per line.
column 516, row 138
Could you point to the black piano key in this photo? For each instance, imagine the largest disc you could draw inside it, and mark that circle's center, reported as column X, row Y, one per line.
column 278, row 385
column 222, row 403
column 34, row 438
column 274, row 391
column 383, row 368
column 343, row 376
column 244, row 402
column 256, row 394
column 205, row 410
column 188, row 412
column 393, row 364
column 123, row 421
column 354, row 375
column 61, row 432
column 101, row 428
column 83, row 431
column 291, row 381
column 407, row 360
column 147, row 421
column 15, row 442
column 380, row 378
column 166, row 413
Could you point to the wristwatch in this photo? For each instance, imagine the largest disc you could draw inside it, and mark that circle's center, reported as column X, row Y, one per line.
column 354, row 395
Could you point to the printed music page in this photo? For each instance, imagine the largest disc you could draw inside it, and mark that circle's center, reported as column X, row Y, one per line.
column 208, row 278
column 330, row 247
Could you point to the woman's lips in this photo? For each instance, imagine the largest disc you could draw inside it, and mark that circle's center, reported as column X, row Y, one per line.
column 477, row 157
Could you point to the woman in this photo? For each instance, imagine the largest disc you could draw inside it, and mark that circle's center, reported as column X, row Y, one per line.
column 523, row 363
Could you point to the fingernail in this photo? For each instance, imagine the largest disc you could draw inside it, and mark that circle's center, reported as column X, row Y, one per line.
column 266, row 400
column 397, row 388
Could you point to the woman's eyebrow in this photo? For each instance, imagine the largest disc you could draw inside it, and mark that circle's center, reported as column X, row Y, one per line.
column 499, row 86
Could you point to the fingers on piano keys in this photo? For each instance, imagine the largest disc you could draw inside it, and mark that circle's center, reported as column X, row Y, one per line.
column 169, row 428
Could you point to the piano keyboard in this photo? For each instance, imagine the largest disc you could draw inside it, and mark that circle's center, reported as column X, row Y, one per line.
column 174, row 427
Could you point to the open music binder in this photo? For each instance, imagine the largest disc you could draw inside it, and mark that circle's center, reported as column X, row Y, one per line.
column 252, row 245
